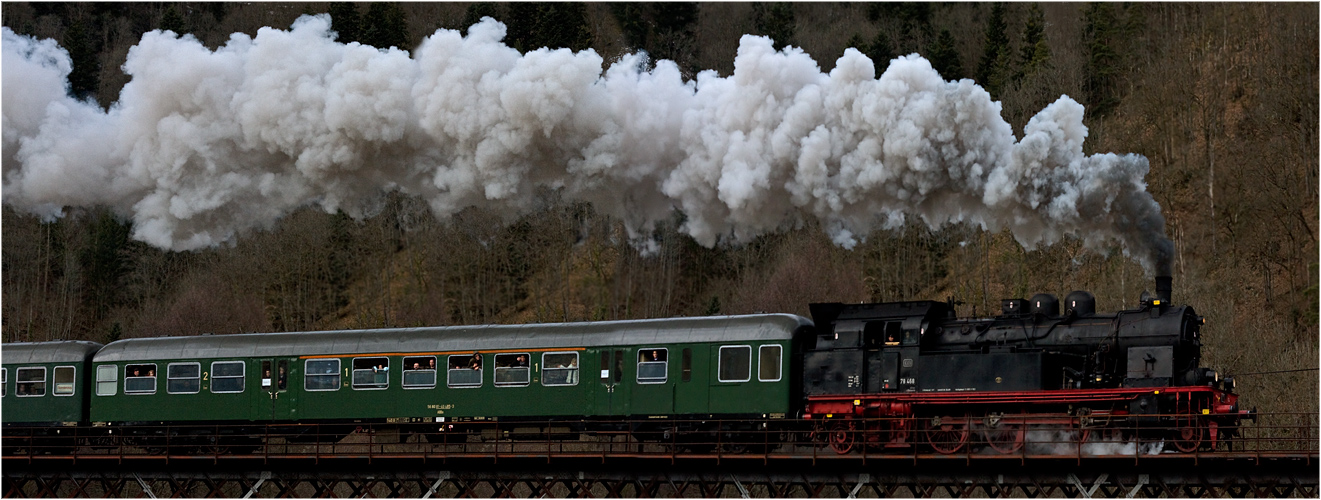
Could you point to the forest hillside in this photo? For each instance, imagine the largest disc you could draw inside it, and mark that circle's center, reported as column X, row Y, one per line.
column 1221, row 98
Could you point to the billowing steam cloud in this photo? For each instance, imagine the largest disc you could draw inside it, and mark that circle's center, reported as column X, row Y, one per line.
column 203, row 144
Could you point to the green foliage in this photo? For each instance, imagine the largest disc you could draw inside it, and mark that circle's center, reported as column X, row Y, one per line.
column 1102, row 32
column 631, row 22
column 881, row 51
column 344, row 19
column 993, row 69
column 86, row 75
column 664, row 30
column 386, row 26
column 552, row 25
column 1034, row 53
column 775, row 20
column 104, row 264
column 563, row 25
column 172, row 21
column 945, row 58
column 476, row 12
column 116, row 333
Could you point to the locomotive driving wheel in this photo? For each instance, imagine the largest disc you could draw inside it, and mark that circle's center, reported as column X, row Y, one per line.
column 1002, row 435
column 947, row 434
column 1188, row 435
column 841, row 437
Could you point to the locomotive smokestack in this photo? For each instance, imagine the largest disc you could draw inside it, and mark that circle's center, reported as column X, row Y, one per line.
column 1164, row 287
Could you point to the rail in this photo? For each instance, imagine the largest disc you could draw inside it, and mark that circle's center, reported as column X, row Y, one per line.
column 1272, row 436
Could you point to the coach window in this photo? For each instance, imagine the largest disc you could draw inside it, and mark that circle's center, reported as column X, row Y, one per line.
column 420, row 372
column 140, row 379
column 107, row 378
column 4, row 382
column 371, row 373
column 31, row 382
column 465, row 370
column 183, row 378
column 687, row 367
column 652, row 365
column 559, row 368
column 735, row 363
column 227, row 376
column 512, row 370
column 64, row 380
column 321, row 375
column 769, row 363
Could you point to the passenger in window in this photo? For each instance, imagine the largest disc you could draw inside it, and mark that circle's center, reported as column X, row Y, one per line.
column 135, row 373
column 476, row 363
column 431, row 364
column 889, row 340
column 282, row 381
column 522, row 361
column 573, row 373
column 151, row 373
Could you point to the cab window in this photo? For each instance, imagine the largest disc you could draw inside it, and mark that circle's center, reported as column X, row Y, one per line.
column 183, row 378
column 64, row 380
column 227, row 376
column 769, row 363
column 107, row 380
column 419, row 372
column 371, row 373
column 559, row 368
column 652, row 365
column 735, row 363
column 512, row 369
column 465, row 370
column 140, row 379
column 321, row 375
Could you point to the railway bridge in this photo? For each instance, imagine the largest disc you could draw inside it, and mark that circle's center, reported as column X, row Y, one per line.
column 486, row 461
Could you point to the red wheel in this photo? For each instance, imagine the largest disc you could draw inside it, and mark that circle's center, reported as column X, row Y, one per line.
column 947, row 434
column 841, row 438
column 1189, row 436
column 1005, row 437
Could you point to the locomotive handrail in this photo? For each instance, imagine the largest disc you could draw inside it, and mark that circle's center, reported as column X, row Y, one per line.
column 1274, row 435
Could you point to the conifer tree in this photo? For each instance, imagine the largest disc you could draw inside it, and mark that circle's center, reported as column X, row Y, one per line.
column 945, row 58
column 172, row 21
column 86, row 75
column 1034, row 52
column 776, row 21
column 386, row 26
column 992, row 69
column 344, row 19
column 476, row 12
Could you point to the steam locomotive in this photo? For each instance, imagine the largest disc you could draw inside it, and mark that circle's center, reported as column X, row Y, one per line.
column 898, row 375
column 918, row 366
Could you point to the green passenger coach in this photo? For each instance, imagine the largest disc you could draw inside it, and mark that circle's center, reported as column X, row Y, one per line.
column 42, row 383
column 728, row 366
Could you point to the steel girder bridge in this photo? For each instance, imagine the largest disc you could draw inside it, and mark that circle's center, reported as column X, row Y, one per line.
column 1220, row 475
column 1273, row 461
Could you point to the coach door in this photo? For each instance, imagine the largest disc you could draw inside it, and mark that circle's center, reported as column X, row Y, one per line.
column 613, row 398
column 275, row 384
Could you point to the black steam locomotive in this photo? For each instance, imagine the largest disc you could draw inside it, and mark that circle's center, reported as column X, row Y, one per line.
column 920, row 368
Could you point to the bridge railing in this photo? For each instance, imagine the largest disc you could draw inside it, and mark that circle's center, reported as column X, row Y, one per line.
column 984, row 437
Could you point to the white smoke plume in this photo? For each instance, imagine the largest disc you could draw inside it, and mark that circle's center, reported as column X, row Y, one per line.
column 203, row 145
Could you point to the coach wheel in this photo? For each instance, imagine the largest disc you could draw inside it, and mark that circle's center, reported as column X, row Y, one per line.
column 947, row 434
column 841, row 437
column 1189, row 436
column 1004, row 437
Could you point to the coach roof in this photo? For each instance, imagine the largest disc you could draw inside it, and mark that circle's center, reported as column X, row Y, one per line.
column 61, row 351
column 755, row 327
